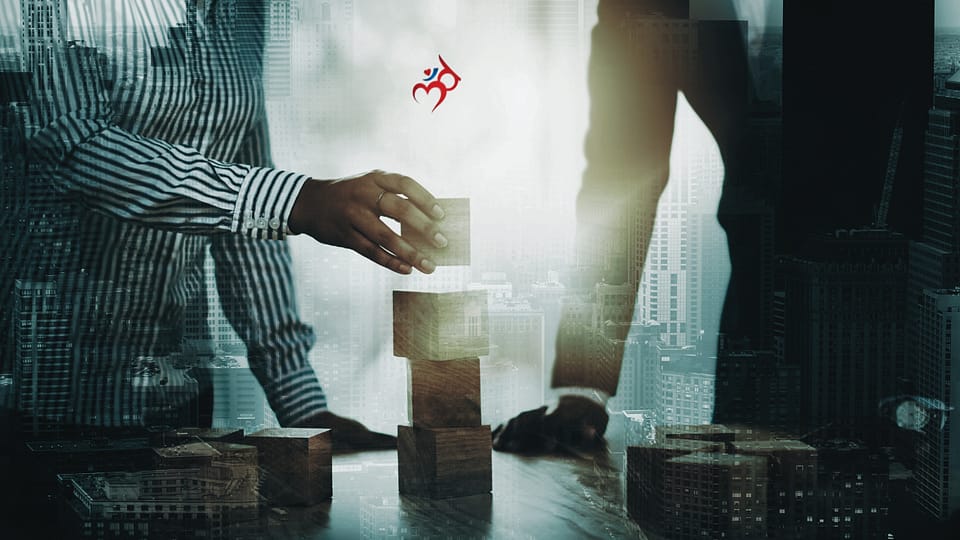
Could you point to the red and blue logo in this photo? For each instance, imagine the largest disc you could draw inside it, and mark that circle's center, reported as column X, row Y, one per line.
column 444, row 80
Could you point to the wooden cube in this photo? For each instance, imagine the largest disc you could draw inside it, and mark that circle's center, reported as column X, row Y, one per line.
column 444, row 462
column 444, row 394
column 296, row 465
column 440, row 326
column 455, row 225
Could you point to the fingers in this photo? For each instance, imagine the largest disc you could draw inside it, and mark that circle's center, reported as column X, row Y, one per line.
column 404, row 211
column 412, row 190
column 375, row 253
column 386, row 239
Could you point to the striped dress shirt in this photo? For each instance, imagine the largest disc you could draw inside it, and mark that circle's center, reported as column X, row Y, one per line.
column 144, row 139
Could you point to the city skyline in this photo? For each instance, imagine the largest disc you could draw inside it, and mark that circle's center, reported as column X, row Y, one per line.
column 824, row 355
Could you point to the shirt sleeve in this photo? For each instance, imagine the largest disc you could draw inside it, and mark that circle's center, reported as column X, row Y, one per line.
column 75, row 145
column 255, row 284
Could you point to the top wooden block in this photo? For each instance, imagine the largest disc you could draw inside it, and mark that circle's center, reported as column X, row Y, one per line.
column 440, row 326
column 455, row 226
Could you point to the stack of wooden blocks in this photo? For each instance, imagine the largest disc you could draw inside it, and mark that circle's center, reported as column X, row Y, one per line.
column 446, row 450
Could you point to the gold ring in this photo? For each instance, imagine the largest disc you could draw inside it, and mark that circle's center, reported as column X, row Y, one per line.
column 377, row 204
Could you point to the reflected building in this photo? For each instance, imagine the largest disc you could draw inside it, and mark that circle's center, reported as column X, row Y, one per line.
column 195, row 490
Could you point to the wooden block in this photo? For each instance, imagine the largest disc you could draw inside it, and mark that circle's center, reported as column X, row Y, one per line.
column 455, row 226
column 444, row 394
column 440, row 326
column 296, row 465
column 444, row 462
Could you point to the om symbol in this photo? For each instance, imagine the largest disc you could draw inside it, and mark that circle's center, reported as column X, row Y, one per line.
column 435, row 81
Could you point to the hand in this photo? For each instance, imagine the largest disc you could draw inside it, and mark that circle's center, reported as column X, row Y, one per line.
column 347, row 213
column 576, row 424
column 349, row 434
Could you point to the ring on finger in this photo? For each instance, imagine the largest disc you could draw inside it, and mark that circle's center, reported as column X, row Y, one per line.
column 376, row 205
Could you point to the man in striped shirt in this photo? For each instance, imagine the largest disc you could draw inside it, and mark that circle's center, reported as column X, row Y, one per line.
column 145, row 137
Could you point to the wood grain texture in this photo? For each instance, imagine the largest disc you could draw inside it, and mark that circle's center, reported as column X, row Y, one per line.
column 444, row 394
column 440, row 326
column 551, row 497
column 444, row 462
column 455, row 226
column 295, row 464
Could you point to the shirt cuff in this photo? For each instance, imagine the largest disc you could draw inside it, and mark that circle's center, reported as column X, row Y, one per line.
column 296, row 396
column 265, row 200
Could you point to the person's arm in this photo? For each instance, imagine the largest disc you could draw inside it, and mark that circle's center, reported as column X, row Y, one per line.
column 255, row 284
column 632, row 105
column 79, row 150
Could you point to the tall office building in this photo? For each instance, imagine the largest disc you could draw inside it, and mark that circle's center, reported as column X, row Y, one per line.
column 845, row 320
column 42, row 38
column 935, row 258
column 43, row 34
column 43, row 362
column 941, row 191
column 937, row 469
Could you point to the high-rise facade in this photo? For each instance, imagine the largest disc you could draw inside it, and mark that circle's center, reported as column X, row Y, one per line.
column 845, row 324
column 935, row 258
column 43, row 364
column 937, row 468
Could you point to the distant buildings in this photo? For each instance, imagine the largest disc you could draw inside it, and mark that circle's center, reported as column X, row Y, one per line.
column 713, row 481
column 517, row 347
column 687, row 387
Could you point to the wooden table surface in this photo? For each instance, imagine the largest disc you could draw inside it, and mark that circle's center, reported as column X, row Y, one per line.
column 533, row 497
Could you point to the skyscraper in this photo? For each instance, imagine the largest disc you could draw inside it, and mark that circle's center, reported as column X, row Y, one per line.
column 937, row 468
column 42, row 37
column 43, row 365
column 935, row 258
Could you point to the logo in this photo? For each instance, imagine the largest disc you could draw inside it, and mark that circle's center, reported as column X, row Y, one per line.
column 435, row 81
